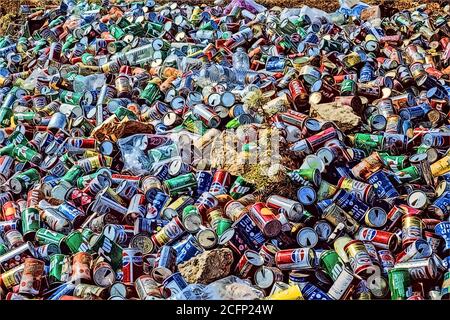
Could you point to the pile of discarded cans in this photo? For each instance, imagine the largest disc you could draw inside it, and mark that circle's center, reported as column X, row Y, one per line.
column 99, row 202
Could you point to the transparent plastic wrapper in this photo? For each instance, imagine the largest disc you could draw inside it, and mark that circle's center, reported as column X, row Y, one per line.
column 229, row 288
column 142, row 153
column 249, row 5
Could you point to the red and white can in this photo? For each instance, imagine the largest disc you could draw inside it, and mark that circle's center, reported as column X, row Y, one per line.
column 295, row 259
column 265, row 219
column 132, row 265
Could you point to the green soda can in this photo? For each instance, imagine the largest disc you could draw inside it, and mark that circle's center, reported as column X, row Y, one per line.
column 3, row 249
column 368, row 142
column 223, row 224
column 23, row 153
column 46, row 236
column 332, row 263
column 56, row 266
column 23, row 180
column 74, row 240
column 121, row 113
column 74, row 98
column 191, row 218
column 25, row 116
column 116, row 32
column 180, row 184
column 311, row 174
column 399, row 284
column 18, row 138
column 72, row 174
column 88, row 59
column 87, row 234
column 348, row 87
column 394, row 162
column 5, row 117
column 7, row 150
column 409, row 174
column 194, row 125
column 30, row 223
column 151, row 93
column 239, row 188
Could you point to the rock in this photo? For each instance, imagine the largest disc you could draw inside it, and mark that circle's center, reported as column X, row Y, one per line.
column 208, row 266
column 342, row 115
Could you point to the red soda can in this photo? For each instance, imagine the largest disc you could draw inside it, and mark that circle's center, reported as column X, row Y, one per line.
column 295, row 259
column 265, row 219
column 132, row 265
column 10, row 211
column 248, row 264
column 381, row 239
column 299, row 95
column 221, row 182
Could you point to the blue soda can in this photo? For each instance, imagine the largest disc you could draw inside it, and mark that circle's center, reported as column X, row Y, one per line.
column 175, row 283
column 367, row 73
column 148, row 225
column 322, row 205
column 158, row 202
column 248, row 230
column 71, row 213
column 311, row 292
column 187, row 248
column 415, row 112
column 441, row 206
column 443, row 230
column 66, row 289
column 204, row 181
column 162, row 173
column 351, row 204
column 383, row 186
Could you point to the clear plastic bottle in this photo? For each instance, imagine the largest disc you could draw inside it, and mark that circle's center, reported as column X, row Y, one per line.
column 241, row 64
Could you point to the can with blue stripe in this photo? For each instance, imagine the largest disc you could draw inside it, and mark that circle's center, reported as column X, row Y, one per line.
column 441, row 206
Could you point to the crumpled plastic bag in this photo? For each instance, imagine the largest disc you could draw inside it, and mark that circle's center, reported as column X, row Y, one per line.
column 144, row 153
column 249, row 5
column 228, row 288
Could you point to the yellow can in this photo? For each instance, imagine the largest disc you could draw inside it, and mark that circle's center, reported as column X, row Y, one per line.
column 441, row 166
column 291, row 293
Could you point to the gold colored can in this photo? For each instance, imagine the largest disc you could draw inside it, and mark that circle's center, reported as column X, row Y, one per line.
column 441, row 167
